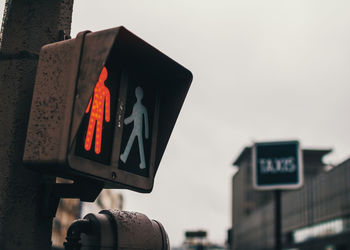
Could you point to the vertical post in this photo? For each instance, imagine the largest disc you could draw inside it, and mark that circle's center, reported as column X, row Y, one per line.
column 27, row 25
column 278, row 221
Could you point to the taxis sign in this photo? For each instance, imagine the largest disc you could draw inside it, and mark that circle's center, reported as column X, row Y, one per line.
column 277, row 165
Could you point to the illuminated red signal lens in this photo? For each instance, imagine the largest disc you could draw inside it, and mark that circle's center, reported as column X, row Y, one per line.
column 99, row 104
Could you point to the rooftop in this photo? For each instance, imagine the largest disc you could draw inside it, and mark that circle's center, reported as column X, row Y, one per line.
column 246, row 154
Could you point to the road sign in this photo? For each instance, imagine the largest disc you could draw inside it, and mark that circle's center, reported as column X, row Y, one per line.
column 104, row 106
column 277, row 165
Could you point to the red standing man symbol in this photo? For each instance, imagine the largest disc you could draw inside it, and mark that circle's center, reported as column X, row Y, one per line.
column 100, row 104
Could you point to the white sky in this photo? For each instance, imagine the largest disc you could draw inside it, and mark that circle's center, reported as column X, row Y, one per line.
column 263, row 70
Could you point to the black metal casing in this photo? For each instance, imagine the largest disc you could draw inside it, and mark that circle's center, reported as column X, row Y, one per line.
column 66, row 77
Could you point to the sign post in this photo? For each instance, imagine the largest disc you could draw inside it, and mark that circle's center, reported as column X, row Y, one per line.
column 277, row 166
column 278, row 220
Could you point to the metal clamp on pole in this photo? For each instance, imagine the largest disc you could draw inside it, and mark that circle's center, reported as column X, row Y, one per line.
column 85, row 190
column 82, row 189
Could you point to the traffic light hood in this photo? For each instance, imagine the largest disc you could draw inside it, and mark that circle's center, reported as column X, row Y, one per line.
column 65, row 86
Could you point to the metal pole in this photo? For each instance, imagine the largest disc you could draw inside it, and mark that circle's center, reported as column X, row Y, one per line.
column 27, row 25
column 278, row 221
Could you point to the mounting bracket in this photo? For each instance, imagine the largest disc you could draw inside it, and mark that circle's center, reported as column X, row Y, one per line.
column 85, row 190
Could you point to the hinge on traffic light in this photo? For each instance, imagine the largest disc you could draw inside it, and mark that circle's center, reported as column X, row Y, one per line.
column 62, row 35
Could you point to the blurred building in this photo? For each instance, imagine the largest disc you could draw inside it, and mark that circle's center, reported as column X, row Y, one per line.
column 108, row 199
column 68, row 210
column 197, row 240
column 72, row 209
column 316, row 216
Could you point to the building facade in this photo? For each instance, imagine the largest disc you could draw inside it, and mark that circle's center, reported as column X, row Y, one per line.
column 316, row 216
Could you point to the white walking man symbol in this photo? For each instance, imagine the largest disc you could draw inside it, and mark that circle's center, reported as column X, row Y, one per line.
column 138, row 115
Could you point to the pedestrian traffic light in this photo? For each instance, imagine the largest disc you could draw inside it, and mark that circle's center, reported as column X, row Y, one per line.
column 104, row 106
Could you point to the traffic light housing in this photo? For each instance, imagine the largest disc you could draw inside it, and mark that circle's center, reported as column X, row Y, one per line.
column 104, row 106
column 114, row 229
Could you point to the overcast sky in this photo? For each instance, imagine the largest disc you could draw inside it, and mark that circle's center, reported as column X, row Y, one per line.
column 263, row 70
